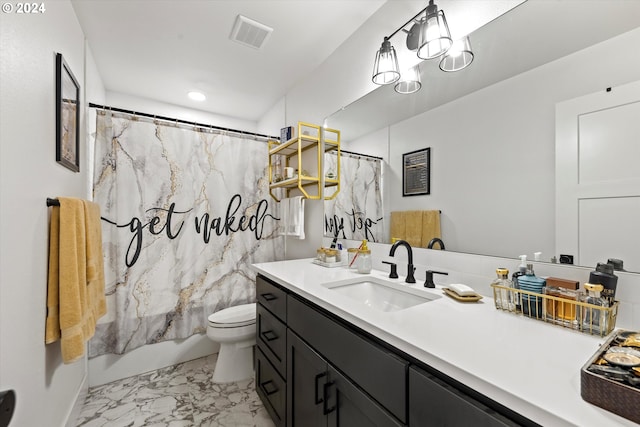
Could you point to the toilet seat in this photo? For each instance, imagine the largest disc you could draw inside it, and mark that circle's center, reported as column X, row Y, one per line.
column 234, row 317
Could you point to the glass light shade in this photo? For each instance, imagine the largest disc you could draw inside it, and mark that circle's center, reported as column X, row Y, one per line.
column 409, row 81
column 434, row 38
column 385, row 69
column 459, row 56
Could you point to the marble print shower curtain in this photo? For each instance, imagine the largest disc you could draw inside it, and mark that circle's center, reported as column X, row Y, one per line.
column 356, row 212
column 185, row 212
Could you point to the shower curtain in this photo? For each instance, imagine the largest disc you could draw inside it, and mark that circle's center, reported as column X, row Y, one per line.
column 356, row 212
column 185, row 212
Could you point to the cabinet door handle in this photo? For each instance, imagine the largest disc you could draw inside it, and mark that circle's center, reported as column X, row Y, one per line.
column 325, row 408
column 271, row 384
column 269, row 335
column 319, row 399
column 268, row 296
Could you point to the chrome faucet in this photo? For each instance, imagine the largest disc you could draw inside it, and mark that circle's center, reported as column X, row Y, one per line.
column 410, row 268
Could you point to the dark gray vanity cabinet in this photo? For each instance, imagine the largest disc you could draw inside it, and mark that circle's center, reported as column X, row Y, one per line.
column 361, row 383
column 318, row 395
column 314, row 369
column 433, row 402
column 271, row 351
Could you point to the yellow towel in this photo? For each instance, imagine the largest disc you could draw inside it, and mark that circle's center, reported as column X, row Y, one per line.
column 95, row 263
column 430, row 227
column 397, row 227
column 75, row 292
column 413, row 228
column 416, row 227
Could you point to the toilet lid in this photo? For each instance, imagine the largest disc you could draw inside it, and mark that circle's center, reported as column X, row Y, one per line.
column 239, row 315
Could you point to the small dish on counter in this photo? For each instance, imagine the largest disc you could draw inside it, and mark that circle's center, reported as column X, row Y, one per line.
column 622, row 356
column 462, row 298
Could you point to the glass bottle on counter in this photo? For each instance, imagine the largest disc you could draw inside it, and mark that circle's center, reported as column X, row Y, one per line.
column 595, row 319
column 522, row 270
column 352, row 259
column 504, row 297
column 556, row 310
column 364, row 259
column 331, row 256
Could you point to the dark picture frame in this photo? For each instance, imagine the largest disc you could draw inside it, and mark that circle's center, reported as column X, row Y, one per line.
column 416, row 172
column 67, row 116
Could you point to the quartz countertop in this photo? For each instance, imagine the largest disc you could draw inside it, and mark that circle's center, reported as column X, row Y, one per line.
column 525, row 364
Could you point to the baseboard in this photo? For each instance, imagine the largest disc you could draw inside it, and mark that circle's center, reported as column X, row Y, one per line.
column 81, row 395
column 112, row 367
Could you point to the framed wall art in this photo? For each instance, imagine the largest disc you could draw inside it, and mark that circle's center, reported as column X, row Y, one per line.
column 67, row 116
column 416, row 172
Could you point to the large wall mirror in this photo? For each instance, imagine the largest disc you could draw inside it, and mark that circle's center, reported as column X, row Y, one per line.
column 491, row 127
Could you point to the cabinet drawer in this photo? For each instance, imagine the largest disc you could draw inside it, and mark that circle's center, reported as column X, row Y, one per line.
column 434, row 402
column 271, row 389
column 272, row 338
column 379, row 372
column 271, row 297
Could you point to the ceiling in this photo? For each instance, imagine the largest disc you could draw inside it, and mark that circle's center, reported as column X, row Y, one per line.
column 162, row 50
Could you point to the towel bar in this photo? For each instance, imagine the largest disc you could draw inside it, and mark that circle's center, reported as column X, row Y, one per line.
column 53, row 202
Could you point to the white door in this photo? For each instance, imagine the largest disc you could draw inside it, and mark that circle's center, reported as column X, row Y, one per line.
column 598, row 177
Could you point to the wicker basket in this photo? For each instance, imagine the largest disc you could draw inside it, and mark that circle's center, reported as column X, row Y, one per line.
column 614, row 396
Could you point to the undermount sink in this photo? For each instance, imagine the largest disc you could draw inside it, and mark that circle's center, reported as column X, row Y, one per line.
column 380, row 294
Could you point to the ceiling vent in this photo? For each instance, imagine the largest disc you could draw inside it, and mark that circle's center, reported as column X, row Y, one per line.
column 249, row 32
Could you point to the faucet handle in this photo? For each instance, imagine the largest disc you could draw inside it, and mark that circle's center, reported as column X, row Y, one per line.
column 428, row 283
column 394, row 269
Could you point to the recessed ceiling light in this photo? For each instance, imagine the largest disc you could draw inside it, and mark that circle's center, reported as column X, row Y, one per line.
column 197, row 96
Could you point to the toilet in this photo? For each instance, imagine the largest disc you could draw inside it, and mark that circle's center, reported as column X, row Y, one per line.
column 235, row 329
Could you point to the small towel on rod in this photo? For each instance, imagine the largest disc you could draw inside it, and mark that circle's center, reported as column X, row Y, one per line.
column 430, row 227
column 416, row 227
column 292, row 217
column 75, row 289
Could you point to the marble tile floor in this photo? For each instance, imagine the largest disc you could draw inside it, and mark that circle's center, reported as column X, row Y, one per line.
column 176, row 396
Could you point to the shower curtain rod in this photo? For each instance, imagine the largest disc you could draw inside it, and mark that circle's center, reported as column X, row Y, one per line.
column 173, row 120
column 353, row 153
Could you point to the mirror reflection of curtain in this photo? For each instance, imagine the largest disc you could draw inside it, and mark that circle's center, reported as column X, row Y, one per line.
column 356, row 212
column 186, row 211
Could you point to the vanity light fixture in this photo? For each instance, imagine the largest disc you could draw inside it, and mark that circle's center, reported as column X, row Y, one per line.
column 434, row 36
column 430, row 38
column 385, row 69
column 409, row 81
column 459, row 56
column 196, row 96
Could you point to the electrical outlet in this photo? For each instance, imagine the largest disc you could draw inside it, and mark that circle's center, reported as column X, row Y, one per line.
column 566, row 259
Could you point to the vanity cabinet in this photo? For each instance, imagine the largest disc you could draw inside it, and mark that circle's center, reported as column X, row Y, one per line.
column 271, row 351
column 373, row 368
column 318, row 395
column 332, row 373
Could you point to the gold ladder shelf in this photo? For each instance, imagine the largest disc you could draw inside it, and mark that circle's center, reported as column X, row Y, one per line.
column 308, row 138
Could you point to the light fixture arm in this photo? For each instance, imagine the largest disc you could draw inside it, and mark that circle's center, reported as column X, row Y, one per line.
column 409, row 21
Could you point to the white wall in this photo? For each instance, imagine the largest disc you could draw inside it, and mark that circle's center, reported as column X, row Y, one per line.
column 149, row 106
column 46, row 389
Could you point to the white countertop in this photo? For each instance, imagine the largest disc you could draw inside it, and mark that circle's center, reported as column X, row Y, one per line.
column 525, row 364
